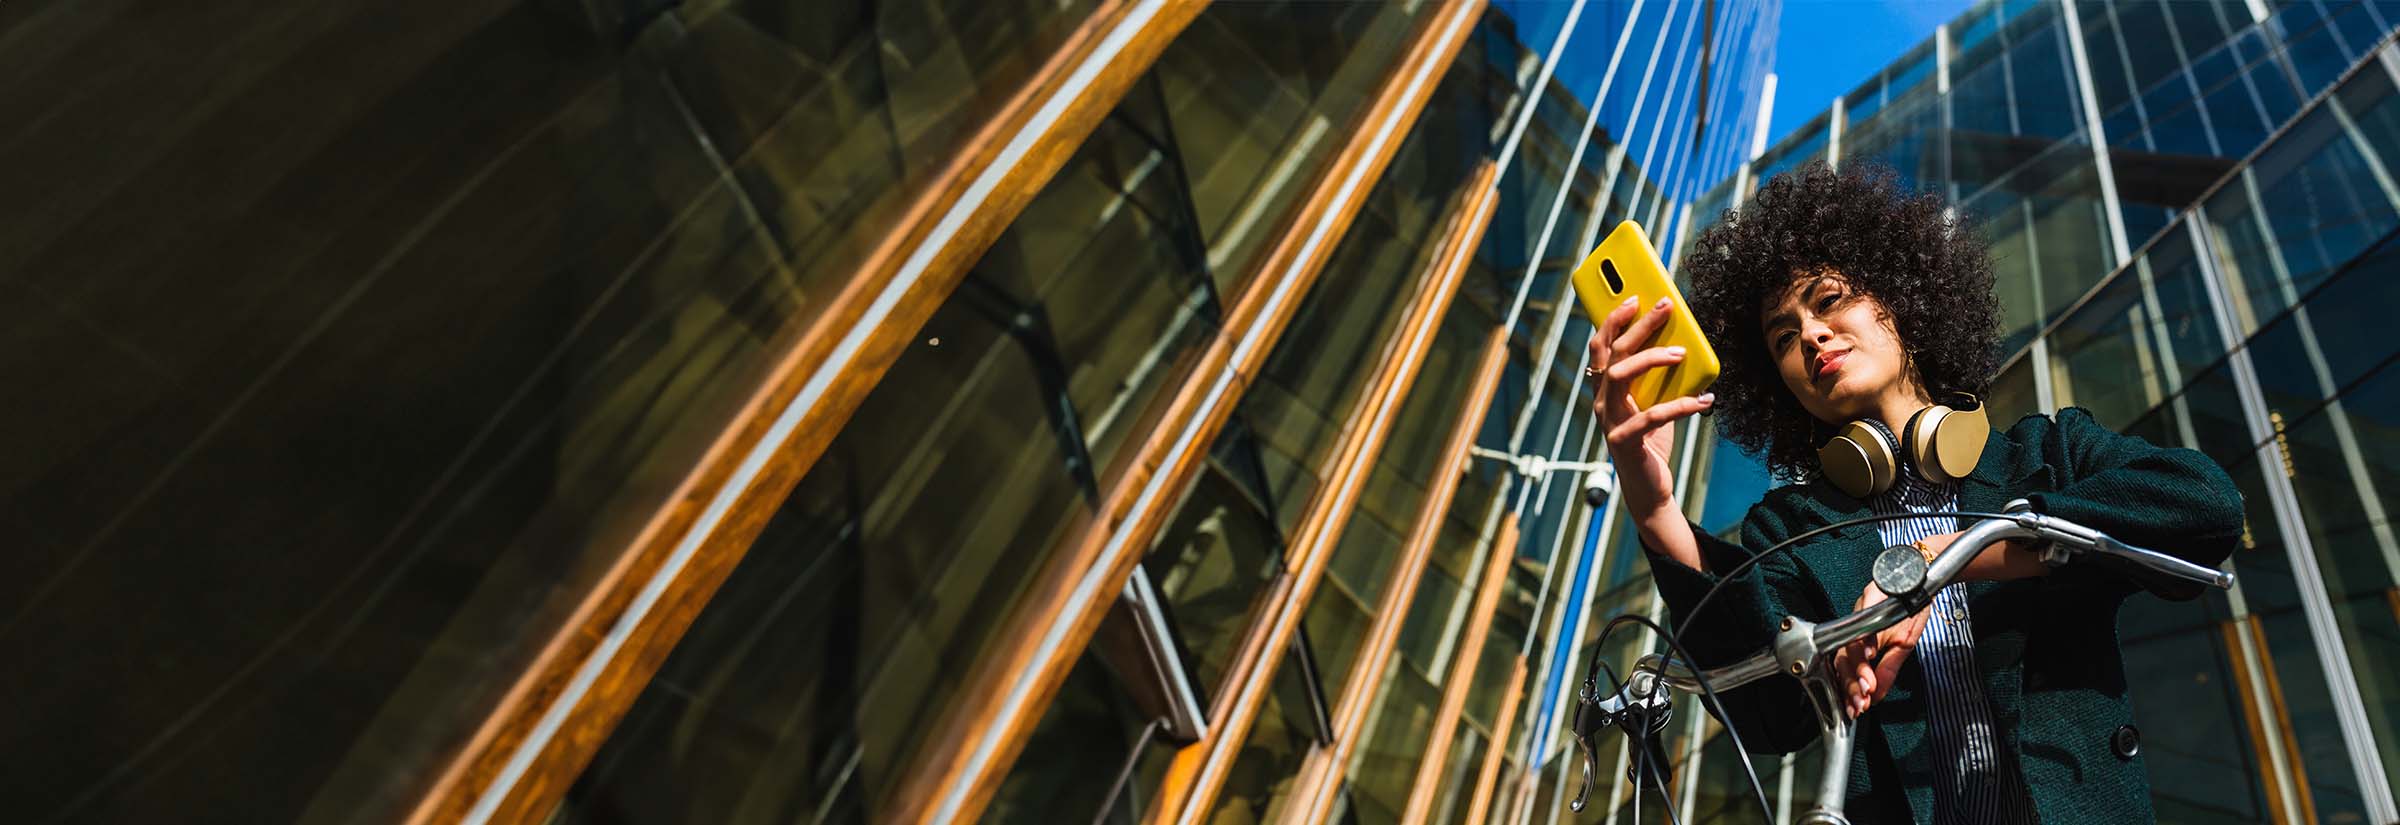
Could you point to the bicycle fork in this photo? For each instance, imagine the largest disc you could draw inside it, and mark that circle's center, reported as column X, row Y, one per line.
column 1796, row 647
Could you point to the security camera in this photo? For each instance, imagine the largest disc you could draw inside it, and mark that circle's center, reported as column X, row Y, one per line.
column 1595, row 491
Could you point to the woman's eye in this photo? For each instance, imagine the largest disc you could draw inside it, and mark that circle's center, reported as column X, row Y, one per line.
column 1826, row 301
column 1782, row 341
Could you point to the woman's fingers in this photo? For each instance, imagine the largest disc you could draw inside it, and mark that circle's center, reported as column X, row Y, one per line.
column 1844, row 662
column 1612, row 325
column 1632, row 366
column 1631, row 429
column 1879, row 668
column 1885, row 673
column 1638, row 335
column 1853, row 666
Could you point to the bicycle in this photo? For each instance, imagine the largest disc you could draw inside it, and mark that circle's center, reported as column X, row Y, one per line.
column 1641, row 704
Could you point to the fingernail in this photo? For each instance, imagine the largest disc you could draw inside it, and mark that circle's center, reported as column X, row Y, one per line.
column 1663, row 302
column 1630, row 300
column 1708, row 398
column 1675, row 351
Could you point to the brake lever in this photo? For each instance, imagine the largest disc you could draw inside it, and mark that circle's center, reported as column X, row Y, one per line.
column 1640, row 708
column 1589, row 719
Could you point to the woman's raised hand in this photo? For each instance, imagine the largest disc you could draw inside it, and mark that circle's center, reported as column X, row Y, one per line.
column 1639, row 440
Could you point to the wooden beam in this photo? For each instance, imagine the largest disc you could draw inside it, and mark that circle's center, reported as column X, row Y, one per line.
column 1479, row 808
column 1462, row 676
column 545, row 728
column 1322, row 771
column 969, row 750
column 1198, row 772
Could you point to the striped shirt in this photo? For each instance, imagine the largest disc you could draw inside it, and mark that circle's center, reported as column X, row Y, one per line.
column 1973, row 782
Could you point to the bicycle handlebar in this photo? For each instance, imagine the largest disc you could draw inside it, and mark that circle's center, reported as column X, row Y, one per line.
column 2023, row 523
column 1803, row 649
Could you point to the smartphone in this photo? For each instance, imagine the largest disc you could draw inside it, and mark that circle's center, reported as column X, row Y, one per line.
column 1625, row 266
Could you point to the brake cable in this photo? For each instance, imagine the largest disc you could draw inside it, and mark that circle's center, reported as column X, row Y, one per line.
column 1699, row 675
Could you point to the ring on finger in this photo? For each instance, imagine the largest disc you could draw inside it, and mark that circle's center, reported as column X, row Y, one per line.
column 1591, row 372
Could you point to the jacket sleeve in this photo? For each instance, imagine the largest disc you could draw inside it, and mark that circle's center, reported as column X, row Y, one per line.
column 1772, row 715
column 2174, row 501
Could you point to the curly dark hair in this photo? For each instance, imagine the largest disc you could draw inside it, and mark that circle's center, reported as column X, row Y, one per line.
column 1931, row 273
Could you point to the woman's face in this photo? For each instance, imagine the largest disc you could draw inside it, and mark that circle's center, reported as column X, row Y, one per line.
column 1837, row 351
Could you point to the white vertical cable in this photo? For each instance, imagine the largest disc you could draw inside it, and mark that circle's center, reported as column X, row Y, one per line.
column 1833, row 143
column 1672, row 182
column 1574, row 161
column 1667, row 110
column 1550, row 346
column 1546, row 355
column 1766, row 114
column 1712, row 152
column 1634, row 120
column 1533, row 93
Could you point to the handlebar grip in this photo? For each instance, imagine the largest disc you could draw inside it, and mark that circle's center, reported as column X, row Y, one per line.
column 2162, row 564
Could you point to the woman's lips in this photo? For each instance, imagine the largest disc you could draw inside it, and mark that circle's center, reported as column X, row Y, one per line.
column 1828, row 365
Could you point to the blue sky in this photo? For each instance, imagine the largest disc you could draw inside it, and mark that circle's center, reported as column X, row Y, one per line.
column 1825, row 48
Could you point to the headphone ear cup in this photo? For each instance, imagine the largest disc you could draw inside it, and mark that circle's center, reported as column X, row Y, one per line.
column 1861, row 461
column 1922, row 446
column 1956, row 441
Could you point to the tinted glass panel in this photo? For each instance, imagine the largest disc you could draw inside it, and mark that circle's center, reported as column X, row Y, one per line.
column 366, row 336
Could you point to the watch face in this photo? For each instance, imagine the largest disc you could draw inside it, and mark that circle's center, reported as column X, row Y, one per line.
column 1899, row 571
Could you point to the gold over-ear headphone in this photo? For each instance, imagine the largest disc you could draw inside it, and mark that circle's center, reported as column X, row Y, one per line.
column 1942, row 441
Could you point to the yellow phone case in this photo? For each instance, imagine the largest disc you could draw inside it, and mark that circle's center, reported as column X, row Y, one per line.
column 1625, row 265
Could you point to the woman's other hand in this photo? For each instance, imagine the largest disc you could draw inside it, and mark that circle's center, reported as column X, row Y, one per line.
column 1639, row 440
column 1865, row 669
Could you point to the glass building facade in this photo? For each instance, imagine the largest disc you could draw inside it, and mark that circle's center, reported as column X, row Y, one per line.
column 1100, row 410
column 750, row 410
column 2189, row 204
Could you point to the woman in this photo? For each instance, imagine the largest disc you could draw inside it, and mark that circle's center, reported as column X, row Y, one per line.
column 1835, row 298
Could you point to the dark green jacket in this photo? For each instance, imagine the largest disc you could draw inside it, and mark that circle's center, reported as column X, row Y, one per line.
column 2047, row 647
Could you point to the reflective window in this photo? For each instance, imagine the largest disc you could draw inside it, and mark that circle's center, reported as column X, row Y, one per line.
column 2306, row 206
column 1805, row 143
column 1259, row 96
column 365, row 337
column 2048, row 235
column 1906, row 136
column 2013, row 394
column 1468, row 748
column 2023, row 88
column 1034, row 360
column 809, row 677
column 1706, row 212
column 1723, row 793
column 2132, row 344
column 2263, row 570
column 1092, row 720
column 1214, row 559
column 1356, row 578
column 2346, row 479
